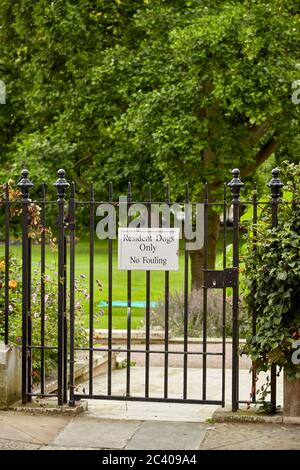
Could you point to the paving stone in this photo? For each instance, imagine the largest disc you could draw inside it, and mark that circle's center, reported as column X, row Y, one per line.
column 6, row 444
column 246, row 436
column 155, row 435
column 53, row 447
column 95, row 433
column 30, row 429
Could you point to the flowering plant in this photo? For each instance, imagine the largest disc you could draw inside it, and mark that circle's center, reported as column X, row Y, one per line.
column 50, row 296
column 50, row 317
column 15, row 289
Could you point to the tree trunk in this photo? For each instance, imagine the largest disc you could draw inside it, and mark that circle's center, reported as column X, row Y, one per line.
column 197, row 256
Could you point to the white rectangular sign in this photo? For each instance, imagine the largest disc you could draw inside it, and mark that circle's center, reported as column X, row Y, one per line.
column 148, row 249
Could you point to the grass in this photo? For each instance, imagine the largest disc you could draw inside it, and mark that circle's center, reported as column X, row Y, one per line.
column 119, row 281
column 138, row 284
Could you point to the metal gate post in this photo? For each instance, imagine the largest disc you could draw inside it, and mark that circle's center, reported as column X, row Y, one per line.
column 275, row 185
column 235, row 185
column 61, row 185
column 25, row 185
column 72, row 293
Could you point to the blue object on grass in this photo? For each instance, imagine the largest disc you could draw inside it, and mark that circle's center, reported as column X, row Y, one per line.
column 123, row 303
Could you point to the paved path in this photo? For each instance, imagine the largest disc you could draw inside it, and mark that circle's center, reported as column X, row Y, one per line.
column 248, row 436
column 194, row 360
column 163, row 411
column 20, row 431
column 150, row 426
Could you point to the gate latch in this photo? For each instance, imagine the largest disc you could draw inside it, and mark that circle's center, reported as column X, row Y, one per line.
column 228, row 277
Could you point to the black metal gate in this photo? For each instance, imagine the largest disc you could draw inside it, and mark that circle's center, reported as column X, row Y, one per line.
column 228, row 277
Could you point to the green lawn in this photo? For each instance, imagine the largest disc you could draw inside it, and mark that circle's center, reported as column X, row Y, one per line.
column 119, row 281
column 138, row 284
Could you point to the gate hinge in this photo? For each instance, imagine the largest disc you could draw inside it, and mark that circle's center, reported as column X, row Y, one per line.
column 228, row 277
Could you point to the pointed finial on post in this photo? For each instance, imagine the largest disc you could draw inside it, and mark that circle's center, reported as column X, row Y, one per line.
column 275, row 184
column 25, row 184
column 61, row 184
column 236, row 184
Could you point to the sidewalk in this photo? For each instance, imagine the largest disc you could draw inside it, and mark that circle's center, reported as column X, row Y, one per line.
column 20, row 431
column 121, row 425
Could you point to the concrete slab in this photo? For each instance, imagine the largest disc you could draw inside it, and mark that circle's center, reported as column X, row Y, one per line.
column 58, row 447
column 131, row 410
column 83, row 432
column 30, row 429
column 16, row 445
column 167, row 436
column 148, row 411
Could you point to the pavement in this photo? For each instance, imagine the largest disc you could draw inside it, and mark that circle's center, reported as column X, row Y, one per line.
column 27, row 432
column 122, row 425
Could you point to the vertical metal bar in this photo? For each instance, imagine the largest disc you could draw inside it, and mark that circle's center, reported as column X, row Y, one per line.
column 110, row 286
column 275, row 185
column 129, row 199
column 186, row 306
column 167, row 299
column 235, row 185
column 72, row 294
column 91, row 279
column 205, row 293
column 30, row 351
column 254, row 313
column 61, row 185
column 235, row 299
column 24, row 297
column 224, row 296
column 43, row 292
column 6, row 257
column 148, row 310
column 65, row 330
column 60, row 299
column 25, row 185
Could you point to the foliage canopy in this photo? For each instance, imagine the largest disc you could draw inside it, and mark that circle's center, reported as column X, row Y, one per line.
column 147, row 90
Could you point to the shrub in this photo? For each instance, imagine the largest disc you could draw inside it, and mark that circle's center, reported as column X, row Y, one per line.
column 273, row 282
column 195, row 314
column 15, row 312
column 51, row 281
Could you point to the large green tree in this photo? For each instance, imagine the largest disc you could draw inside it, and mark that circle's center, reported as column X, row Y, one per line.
column 149, row 90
